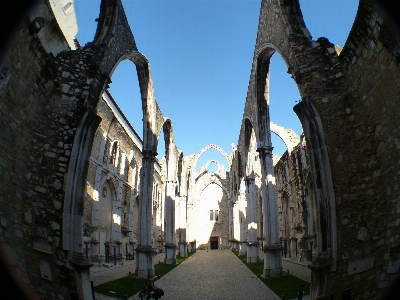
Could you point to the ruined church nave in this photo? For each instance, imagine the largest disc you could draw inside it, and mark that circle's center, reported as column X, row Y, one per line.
column 81, row 189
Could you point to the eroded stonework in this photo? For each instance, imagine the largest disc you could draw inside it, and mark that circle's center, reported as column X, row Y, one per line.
column 63, row 151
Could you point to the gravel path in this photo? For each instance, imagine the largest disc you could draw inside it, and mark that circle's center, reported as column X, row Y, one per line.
column 215, row 274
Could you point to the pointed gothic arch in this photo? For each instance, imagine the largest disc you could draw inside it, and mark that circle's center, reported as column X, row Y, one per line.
column 211, row 146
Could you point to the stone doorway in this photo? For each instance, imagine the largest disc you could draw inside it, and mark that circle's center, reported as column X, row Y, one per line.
column 214, row 242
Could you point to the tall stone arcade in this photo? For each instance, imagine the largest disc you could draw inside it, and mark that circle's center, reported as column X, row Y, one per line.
column 78, row 185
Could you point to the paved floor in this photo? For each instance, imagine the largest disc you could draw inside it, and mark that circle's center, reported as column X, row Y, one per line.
column 216, row 274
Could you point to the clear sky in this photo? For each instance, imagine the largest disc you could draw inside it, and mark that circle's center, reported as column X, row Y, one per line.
column 200, row 54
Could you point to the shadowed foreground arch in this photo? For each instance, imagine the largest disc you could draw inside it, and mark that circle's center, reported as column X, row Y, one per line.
column 339, row 112
column 113, row 43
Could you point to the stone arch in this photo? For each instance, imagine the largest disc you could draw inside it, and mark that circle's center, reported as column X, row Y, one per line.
column 114, row 36
column 114, row 153
column 248, row 130
column 307, row 61
column 289, row 37
column 211, row 146
column 298, row 50
column 109, row 177
column 211, row 161
column 181, row 176
column 288, row 136
column 168, row 131
column 113, row 43
column 321, row 173
column 217, row 182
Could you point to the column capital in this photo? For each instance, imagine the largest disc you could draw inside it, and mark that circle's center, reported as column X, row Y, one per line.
column 249, row 180
column 272, row 248
column 146, row 249
column 79, row 262
column 265, row 150
column 149, row 154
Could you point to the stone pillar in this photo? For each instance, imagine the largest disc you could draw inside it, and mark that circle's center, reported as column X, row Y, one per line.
column 320, row 269
column 170, row 255
column 189, row 203
column 95, row 224
column 182, row 227
column 252, row 244
column 272, row 247
column 230, row 220
column 117, row 214
column 81, row 267
column 189, row 230
column 145, row 252
column 96, row 199
column 242, row 218
column 236, row 225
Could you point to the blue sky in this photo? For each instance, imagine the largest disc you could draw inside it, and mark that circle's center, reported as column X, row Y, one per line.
column 200, row 53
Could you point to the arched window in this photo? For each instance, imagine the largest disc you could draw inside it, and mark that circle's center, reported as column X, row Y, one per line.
column 114, row 150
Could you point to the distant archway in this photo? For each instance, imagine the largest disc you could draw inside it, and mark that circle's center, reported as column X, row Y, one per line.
column 211, row 146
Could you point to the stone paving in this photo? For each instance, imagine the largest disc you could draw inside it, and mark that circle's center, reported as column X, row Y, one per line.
column 214, row 274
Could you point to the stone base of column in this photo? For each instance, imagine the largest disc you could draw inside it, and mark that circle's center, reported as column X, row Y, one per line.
column 192, row 246
column 234, row 245
column 183, row 249
column 320, row 268
column 252, row 252
column 243, row 248
column 81, row 267
column 170, row 254
column 145, row 262
column 273, row 261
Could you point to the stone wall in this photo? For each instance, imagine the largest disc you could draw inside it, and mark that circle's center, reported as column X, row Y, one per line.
column 366, row 163
column 349, row 116
column 35, row 150
column 48, row 122
column 122, row 174
column 220, row 228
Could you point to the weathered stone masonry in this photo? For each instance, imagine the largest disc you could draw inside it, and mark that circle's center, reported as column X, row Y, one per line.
column 349, row 117
column 46, row 152
column 341, row 181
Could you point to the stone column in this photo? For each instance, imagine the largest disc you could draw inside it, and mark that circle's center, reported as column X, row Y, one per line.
column 236, row 224
column 131, row 208
column 95, row 224
column 145, row 252
column 320, row 269
column 182, row 227
column 252, row 244
column 170, row 255
column 96, row 199
column 189, row 203
column 272, row 247
column 81, row 267
column 230, row 219
column 189, row 234
column 117, row 214
column 242, row 218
